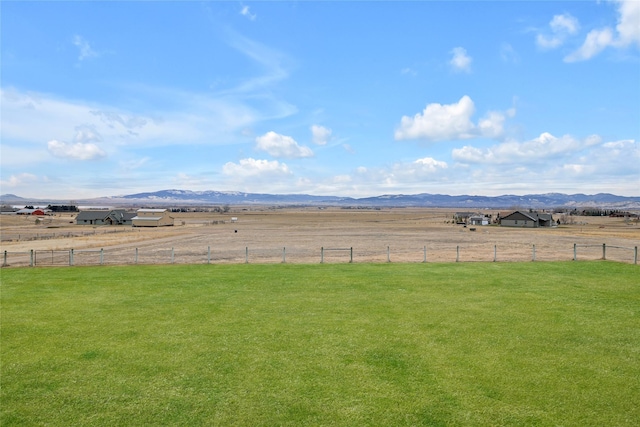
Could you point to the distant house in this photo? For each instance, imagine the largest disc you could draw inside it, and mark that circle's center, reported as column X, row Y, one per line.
column 527, row 220
column 478, row 220
column 462, row 217
column 152, row 218
column 104, row 217
column 29, row 211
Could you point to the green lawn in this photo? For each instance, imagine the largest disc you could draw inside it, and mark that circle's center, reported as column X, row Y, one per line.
column 470, row 344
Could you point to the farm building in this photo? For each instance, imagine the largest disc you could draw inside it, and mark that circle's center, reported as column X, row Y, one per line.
column 527, row 220
column 479, row 220
column 152, row 218
column 104, row 217
column 29, row 211
column 471, row 218
column 462, row 217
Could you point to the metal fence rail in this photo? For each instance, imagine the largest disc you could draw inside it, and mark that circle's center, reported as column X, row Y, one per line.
column 210, row 255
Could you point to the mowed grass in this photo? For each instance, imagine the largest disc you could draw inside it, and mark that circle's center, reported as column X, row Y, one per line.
column 473, row 344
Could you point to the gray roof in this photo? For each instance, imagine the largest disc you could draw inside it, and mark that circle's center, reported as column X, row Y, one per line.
column 92, row 215
column 533, row 216
column 95, row 215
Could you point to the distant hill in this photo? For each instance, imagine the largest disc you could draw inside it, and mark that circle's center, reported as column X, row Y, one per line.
column 9, row 198
column 188, row 197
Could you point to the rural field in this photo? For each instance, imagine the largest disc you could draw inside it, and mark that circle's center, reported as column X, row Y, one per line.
column 369, row 344
column 297, row 235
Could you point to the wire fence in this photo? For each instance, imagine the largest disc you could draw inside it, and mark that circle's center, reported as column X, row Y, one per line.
column 296, row 254
column 27, row 236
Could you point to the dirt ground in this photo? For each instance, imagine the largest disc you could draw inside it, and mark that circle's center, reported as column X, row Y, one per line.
column 311, row 235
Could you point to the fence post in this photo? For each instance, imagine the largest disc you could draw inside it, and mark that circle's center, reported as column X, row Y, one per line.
column 136, row 260
column 208, row 254
column 495, row 253
column 246, row 255
column 172, row 255
column 604, row 251
column 457, row 253
column 322, row 255
column 351, row 255
column 425, row 254
column 31, row 262
column 71, row 257
column 284, row 255
column 534, row 253
column 575, row 251
column 388, row 254
column 101, row 256
column 4, row 261
column 635, row 255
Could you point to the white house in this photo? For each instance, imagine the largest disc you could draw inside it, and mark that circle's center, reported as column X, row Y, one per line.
column 478, row 220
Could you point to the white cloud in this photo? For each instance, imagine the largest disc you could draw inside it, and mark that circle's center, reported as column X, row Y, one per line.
column 247, row 13
column 253, row 168
column 451, row 122
column 19, row 180
column 408, row 71
column 86, row 134
column 282, row 146
column 619, row 157
column 428, row 164
column 131, row 165
column 596, row 42
column 460, row 60
column 561, row 26
column 564, row 24
column 274, row 62
column 184, row 180
column 544, row 147
column 508, row 53
column 629, row 22
column 85, row 50
column 196, row 119
column 439, row 122
column 626, row 33
column 77, row 151
column 321, row 134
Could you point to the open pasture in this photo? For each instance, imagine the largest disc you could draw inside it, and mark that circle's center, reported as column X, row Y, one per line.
column 296, row 235
column 468, row 344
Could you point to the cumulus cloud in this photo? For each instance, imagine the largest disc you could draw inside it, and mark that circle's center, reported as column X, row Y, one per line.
column 282, row 146
column 77, row 151
column 439, row 122
column 321, row 134
column 253, row 167
column 460, row 60
column 561, row 27
column 628, row 27
column 85, row 50
column 543, row 147
column 426, row 165
column 625, row 34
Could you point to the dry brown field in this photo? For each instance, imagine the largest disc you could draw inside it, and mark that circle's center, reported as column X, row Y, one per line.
column 298, row 235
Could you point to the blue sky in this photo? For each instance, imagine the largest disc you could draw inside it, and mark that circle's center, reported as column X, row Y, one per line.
column 326, row 97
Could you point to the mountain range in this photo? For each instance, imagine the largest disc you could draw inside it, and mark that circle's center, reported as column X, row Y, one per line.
column 174, row 197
